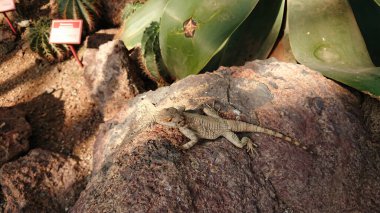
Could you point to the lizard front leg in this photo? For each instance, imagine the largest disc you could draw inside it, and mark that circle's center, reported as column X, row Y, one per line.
column 189, row 134
column 211, row 112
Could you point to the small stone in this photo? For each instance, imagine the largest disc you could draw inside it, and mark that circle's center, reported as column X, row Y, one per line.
column 24, row 23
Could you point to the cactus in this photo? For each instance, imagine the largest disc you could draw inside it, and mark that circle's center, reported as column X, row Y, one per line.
column 191, row 32
column 135, row 25
column 196, row 33
column 38, row 37
column 198, row 30
column 88, row 10
column 150, row 58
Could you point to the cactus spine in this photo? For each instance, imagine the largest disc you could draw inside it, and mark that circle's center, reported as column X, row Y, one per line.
column 38, row 37
column 88, row 10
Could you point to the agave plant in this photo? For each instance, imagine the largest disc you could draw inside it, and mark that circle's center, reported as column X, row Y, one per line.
column 38, row 38
column 195, row 33
column 88, row 10
column 129, row 9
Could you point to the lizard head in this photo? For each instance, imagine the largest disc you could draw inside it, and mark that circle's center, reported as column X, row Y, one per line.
column 170, row 117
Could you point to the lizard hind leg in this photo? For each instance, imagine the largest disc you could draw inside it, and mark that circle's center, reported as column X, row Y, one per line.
column 245, row 141
column 234, row 139
column 251, row 146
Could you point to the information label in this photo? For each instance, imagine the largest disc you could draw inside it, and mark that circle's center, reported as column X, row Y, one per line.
column 7, row 5
column 66, row 31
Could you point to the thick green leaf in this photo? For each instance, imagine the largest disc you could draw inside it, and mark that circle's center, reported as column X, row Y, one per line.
column 135, row 25
column 255, row 38
column 209, row 24
column 129, row 9
column 377, row 2
column 324, row 36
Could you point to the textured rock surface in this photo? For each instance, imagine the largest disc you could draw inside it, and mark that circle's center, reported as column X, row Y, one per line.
column 371, row 109
column 109, row 77
column 42, row 181
column 140, row 168
column 14, row 133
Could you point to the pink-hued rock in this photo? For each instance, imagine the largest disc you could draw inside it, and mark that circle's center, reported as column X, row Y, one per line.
column 110, row 77
column 141, row 168
column 42, row 181
column 14, row 134
column 371, row 109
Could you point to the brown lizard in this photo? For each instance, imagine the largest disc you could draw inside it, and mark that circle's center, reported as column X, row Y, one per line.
column 211, row 126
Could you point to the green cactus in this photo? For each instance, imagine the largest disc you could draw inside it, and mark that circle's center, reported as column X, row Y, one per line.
column 38, row 38
column 88, row 10
column 150, row 57
column 196, row 33
column 135, row 25
column 191, row 32
column 198, row 30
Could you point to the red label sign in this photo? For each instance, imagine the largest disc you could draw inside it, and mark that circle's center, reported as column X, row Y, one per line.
column 66, row 31
column 7, row 5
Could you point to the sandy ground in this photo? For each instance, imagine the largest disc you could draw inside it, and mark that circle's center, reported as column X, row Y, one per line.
column 55, row 98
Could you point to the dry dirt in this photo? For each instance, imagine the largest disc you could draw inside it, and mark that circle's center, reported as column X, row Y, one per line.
column 55, row 98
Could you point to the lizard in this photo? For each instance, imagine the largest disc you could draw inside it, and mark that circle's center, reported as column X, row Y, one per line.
column 211, row 126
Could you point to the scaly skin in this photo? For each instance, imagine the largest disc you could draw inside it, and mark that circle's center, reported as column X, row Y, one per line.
column 211, row 126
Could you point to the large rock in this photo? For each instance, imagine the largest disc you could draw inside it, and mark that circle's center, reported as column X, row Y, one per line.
column 110, row 76
column 42, row 181
column 14, row 134
column 371, row 109
column 141, row 168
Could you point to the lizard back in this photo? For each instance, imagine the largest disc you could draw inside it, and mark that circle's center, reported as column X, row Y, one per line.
column 205, row 126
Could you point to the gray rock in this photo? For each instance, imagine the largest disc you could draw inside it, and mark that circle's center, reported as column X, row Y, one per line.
column 109, row 75
column 14, row 134
column 42, row 181
column 140, row 168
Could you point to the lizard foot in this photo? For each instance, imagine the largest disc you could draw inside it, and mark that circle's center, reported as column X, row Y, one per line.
column 251, row 147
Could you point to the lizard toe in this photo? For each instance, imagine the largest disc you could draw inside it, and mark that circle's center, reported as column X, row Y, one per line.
column 250, row 146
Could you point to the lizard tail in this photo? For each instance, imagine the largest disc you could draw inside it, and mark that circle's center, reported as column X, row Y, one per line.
column 239, row 126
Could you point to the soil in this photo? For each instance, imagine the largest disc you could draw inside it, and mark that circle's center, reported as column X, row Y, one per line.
column 56, row 100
